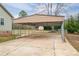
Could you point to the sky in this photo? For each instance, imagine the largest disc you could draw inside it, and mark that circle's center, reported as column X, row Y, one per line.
column 35, row 8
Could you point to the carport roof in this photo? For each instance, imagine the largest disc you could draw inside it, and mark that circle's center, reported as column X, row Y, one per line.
column 39, row 19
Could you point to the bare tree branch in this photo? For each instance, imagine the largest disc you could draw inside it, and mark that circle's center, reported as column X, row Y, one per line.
column 59, row 8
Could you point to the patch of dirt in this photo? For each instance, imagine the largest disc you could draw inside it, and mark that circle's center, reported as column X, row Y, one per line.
column 39, row 35
column 74, row 40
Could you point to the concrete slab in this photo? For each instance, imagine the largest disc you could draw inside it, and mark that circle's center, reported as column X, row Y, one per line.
column 52, row 46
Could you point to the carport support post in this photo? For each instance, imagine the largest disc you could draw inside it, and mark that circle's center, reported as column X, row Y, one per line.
column 52, row 27
column 19, row 30
column 62, row 31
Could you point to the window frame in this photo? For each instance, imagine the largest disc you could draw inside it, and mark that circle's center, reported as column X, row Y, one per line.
column 1, row 21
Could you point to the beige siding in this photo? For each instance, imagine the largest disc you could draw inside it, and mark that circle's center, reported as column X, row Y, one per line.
column 7, row 21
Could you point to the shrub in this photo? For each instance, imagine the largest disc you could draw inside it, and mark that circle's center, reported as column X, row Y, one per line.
column 72, row 25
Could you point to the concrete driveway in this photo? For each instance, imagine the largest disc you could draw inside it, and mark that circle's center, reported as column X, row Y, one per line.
column 38, row 46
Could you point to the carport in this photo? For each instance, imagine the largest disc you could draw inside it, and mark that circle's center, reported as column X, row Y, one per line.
column 41, row 20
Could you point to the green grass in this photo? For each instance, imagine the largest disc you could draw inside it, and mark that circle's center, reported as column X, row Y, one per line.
column 7, row 38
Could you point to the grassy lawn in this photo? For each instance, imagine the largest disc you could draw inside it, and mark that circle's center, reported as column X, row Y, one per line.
column 7, row 38
column 74, row 40
column 17, row 33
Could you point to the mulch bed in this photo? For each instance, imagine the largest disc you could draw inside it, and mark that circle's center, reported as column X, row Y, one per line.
column 5, row 33
column 6, row 36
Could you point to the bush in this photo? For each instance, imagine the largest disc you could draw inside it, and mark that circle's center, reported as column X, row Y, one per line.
column 47, row 28
column 72, row 25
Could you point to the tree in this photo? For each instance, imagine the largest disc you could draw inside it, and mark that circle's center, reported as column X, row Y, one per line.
column 60, row 7
column 22, row 13
column 77, row 22
column 71, row 25
column 54, row 9
column 49, row 8
column 78, row 17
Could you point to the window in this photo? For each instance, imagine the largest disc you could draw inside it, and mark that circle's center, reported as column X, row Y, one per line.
column 2, row 21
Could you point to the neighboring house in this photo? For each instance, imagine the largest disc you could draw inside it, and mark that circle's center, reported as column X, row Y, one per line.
column 5, row 20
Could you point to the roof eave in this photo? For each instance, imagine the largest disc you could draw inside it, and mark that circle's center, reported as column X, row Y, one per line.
column 6, row 10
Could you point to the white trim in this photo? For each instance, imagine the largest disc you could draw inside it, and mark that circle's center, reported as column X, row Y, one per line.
column 62, row 31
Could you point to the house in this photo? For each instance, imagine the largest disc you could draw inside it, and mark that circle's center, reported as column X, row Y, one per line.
column 34, row 20
column 5, row 20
